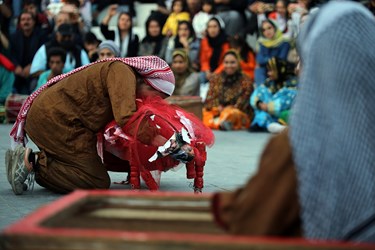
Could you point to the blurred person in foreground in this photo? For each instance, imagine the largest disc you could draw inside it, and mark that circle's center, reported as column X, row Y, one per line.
column 316, row 180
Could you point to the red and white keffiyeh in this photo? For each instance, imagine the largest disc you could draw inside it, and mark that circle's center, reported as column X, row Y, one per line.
column 156, row 72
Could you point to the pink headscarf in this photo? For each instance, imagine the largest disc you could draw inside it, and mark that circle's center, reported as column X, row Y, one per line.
column 156, row 72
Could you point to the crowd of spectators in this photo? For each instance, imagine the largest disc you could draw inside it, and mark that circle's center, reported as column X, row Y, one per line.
column 34, row 34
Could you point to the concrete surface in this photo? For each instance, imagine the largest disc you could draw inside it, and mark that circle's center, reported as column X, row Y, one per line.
column 231, row 161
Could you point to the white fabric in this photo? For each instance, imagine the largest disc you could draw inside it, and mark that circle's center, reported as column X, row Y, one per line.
column 122, row 45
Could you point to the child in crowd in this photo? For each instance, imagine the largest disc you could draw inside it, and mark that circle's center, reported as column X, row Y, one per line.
column 179, row 13
column 185, row 39
column 201, row 18
column 90, row 44
column 281, row 17
column 56, row 57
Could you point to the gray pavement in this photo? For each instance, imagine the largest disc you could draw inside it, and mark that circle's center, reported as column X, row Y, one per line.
column 231, row 161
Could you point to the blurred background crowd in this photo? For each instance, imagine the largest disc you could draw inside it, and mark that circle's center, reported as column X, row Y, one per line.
column 239, row 56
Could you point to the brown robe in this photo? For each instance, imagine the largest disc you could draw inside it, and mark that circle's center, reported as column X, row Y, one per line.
column 64, row 119
column 268, row 204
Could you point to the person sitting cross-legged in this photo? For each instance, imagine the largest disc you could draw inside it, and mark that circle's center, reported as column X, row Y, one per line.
column 274, row 98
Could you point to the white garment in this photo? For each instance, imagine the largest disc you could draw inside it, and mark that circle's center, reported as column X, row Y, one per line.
column 200, row 21
column 122, row 45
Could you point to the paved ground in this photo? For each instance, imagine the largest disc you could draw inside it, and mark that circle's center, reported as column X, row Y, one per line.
column 231, row 161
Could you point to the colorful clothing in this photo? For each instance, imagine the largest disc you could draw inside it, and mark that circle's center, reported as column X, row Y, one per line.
column 277, row 47
column 43, row 78
column 6, row 83
column 227, row 102
column 278, row 100
column 167, row 120
column 172, row 22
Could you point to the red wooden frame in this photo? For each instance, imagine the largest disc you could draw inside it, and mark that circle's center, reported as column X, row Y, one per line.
column 31, row 226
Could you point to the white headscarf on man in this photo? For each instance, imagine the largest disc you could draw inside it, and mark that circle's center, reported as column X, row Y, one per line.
column 332, row 126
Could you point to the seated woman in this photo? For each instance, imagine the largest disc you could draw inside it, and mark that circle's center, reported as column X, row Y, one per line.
column 274, row 98
column 271, row 44
column 179, row 12
column 247, row 55
column 154, row 43
column 185, row 39
column 226, row 106
column 187, row 81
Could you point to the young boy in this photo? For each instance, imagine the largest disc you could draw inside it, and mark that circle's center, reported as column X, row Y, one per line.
column 56, row 60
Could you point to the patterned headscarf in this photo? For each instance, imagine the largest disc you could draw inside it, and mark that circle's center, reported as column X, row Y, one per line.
column 332, row 127
column 277, row 38
column 156, row 73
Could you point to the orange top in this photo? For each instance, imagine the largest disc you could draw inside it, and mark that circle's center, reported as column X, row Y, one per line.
column 247, row 67
column 206, row 53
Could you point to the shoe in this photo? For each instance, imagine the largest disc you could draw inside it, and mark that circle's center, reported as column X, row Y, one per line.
column 275, row 128
column 19, row 168
column 8, row 161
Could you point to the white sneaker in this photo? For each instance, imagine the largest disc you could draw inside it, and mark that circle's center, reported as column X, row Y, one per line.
column 275, row 128
column 19, row 169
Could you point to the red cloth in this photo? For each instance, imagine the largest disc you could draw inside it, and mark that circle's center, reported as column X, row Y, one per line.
column 6, row 63
column 158, row 114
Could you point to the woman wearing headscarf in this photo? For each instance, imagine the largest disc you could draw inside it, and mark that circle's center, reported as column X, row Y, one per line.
column 212, row 48
column 247, row 55
column 187, row 81
column 185, row 39
column 274, row 97
column 154, row 43
column 64, row 116
column 123, row 35
column 317, row 180
column 108, row 49
column 227, row 103
column 271, row 44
